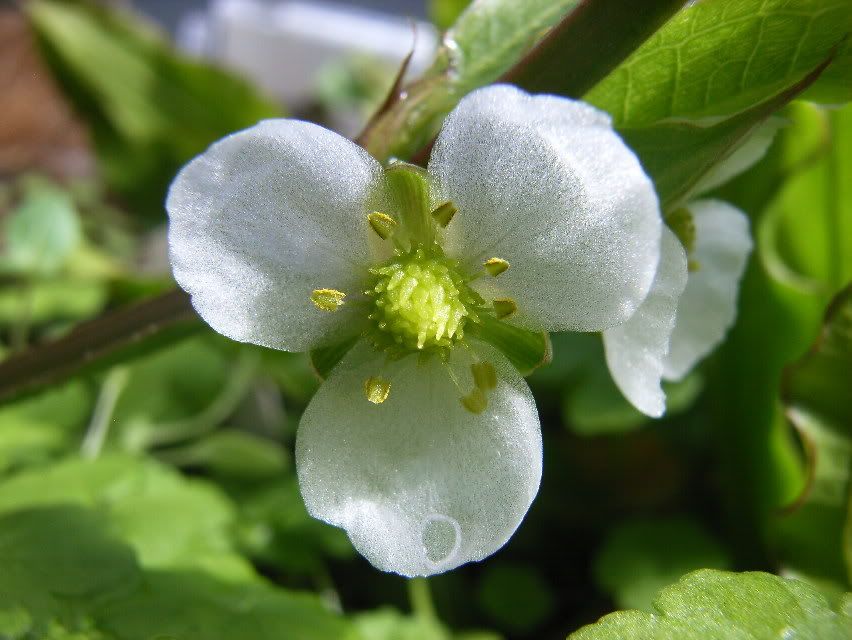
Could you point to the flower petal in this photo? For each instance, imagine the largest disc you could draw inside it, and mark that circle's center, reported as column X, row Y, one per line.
column 545, row 183
column 636, row 350
column 708, row 306
column 420, row 484
column 264, row 217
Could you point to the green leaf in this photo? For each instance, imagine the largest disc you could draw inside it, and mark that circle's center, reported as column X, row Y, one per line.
column 721, row 57
column 677, row 154
column 527, row 350
column 57, row 563
column 640, row 557
column 42, row 232
column 813, row 538
column 195, row 606
column 718, row 605
column 149, row 109
column 170, row 521
column 37, row 428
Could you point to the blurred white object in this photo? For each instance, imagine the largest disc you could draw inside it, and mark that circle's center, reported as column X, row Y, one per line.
column 282, row 46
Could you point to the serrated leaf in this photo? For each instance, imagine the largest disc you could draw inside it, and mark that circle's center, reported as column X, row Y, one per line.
column 641, row 557
column 718, row 605
column 813, row 538
column 721, row 57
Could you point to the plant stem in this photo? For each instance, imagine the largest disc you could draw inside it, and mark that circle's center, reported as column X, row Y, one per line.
column 420, row 597
column 109, row 339
column 113, row 385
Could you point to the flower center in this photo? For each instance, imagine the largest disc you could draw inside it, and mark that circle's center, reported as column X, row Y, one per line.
column 420, row 301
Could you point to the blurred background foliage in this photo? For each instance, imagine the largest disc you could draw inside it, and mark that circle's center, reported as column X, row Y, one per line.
column 149, row 492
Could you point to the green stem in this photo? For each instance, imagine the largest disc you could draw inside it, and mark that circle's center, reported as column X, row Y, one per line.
column 420, row 597
column 167, row 433
column 113, row 385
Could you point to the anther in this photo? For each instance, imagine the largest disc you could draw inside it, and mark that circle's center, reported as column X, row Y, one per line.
column 376, row 389
column 382, row 224
column 495, row 266
column 475, row 401
column 484, row 375
column 327, row 299
column 504, row 307
column 443, row 213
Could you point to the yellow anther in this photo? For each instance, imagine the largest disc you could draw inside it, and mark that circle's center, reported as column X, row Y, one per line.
column 376, row 389
column 475, row 401
column 443, row 213
column 327, row 299
column 496, row 266
column 382, row 224
column 693, row 265
column 484, row 375
column 504, row 307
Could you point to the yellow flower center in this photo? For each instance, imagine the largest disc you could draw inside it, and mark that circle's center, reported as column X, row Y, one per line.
column 421, row 301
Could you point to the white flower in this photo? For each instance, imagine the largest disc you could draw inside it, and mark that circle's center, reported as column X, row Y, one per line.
column 424, row 441
column 653, row 345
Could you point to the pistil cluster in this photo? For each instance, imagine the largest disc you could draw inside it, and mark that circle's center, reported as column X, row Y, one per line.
column 421, row 301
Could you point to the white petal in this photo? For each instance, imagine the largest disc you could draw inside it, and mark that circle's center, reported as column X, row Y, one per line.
column 743, row 158
column 708, row 306
column 420, row 484
column 264, row 217
column 545, row 183
column 636, row 350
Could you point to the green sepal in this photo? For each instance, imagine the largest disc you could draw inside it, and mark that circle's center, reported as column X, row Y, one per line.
column 408, row 188
column 526, row 350
column 324, row 359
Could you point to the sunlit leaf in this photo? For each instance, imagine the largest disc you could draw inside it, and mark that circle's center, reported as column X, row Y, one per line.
column 717, row 605
column 721, row 57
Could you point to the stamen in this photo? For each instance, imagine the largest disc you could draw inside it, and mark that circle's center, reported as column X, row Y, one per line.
column 444, row 213
column 382, row 224
column 495, row 266
column 376, row 389
column 327, row 299
column 484, row 375
column 504, row 307
column 475, row 401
